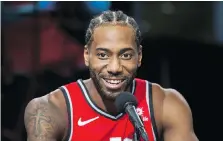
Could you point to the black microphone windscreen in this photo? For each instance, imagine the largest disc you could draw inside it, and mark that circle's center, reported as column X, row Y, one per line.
column 122, row 99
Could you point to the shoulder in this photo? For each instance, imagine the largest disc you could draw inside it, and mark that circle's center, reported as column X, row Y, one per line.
column 54, row 99
column 169, row 97
column 175, row 109
column 50, row 111
column 173, row 114
column 168, row 104
column 174, row 97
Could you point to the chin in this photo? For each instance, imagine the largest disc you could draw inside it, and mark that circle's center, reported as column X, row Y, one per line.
column 109, row 94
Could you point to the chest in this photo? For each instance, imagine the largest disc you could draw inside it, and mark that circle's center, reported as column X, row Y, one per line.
column 93, row 125
column 90, row 122
column 99, row 128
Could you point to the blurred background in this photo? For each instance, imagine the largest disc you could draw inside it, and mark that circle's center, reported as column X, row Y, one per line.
column 42, row 47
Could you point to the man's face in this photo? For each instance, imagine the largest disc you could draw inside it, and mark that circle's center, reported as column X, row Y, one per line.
column 113, row 59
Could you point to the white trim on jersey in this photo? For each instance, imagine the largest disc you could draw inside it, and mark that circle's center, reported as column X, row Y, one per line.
column 149, row 108
column 71, row 112
column 97, row 109
column 133, row 86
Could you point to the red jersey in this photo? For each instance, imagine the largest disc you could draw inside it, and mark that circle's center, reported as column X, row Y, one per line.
column 88, row 122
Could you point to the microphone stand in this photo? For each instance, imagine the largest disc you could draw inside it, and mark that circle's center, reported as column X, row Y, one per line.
column 136, row 134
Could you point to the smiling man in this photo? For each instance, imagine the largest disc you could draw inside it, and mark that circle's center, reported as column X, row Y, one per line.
column 84, row 110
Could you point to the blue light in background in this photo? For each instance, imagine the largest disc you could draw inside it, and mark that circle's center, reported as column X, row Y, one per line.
column 29, row 7
column 96, row 7
column 46, row 5
column 13, row 12
column 218, row 21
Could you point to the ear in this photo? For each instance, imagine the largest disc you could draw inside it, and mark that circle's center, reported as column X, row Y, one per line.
column 140, row 56
column 86, row 55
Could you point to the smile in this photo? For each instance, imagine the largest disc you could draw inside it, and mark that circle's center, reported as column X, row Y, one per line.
column 113, row 83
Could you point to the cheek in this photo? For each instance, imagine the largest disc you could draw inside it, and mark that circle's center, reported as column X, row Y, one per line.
column 130, row 67
column 97, row 65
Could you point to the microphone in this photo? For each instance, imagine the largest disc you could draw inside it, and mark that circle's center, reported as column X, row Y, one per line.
column 126, row 102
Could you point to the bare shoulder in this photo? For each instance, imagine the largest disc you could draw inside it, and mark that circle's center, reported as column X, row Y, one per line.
column 173, row 114
column 175, row 107
column 44, row 117
column 177, row 119
column 164, row 93
column 170, row 100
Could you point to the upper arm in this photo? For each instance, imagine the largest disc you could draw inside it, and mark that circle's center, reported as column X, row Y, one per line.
column 42, row 120
column 177, row 118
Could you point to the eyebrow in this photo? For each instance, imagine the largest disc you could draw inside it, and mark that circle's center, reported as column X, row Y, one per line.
column 126, row 49
column 120, row 52
column 103, row 49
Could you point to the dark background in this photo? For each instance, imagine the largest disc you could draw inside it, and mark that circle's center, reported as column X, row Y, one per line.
column 42, row 46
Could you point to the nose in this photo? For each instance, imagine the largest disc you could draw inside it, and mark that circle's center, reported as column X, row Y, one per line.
column 114, row 67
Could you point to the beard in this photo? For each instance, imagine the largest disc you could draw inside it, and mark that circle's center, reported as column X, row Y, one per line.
column 106, row 93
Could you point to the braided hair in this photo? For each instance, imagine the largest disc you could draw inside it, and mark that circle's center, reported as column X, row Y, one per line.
column 112, row 17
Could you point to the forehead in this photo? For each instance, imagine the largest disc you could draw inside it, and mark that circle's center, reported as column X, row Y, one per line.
column 114, row 34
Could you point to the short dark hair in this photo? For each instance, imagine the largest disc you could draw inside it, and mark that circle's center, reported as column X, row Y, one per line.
column 112, row 17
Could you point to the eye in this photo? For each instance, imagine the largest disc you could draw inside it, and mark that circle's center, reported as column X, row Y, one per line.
column 102, row 56
column 126, row 56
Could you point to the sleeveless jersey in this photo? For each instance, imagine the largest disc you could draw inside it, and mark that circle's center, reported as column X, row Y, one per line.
column 87, row 122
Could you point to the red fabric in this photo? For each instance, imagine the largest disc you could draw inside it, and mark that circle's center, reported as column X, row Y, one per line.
column 104, row 128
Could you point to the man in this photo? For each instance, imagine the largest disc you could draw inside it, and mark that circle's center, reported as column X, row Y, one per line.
column 85, row 111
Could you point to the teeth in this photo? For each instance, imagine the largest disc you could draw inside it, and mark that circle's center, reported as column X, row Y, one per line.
column 113, row 81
